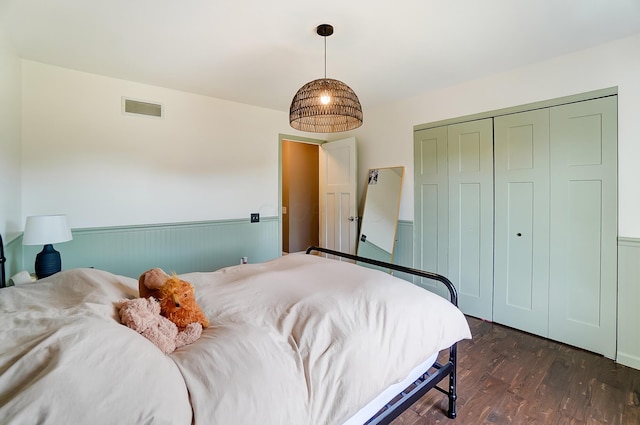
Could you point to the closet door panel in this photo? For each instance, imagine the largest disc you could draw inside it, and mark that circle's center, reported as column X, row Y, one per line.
column 583, row 273
column 583, row 266
column 431, row 205
column 520, row 284
column 468, row 239
column 470, row 164
column 521, row 276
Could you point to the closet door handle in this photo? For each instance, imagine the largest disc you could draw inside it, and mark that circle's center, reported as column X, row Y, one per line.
column 518, row 234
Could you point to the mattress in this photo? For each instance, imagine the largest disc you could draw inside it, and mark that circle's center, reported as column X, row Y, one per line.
column 381, row 400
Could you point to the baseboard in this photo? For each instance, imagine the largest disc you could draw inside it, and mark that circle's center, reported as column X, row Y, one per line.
column 628, row 360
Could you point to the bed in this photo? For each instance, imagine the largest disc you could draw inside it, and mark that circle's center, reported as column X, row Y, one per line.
column 301, row 339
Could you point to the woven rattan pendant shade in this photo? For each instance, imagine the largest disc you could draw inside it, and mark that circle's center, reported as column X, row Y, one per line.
column 342, row 113
column 325, row 105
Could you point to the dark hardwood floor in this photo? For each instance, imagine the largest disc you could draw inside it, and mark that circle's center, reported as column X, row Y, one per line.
column 510, row 377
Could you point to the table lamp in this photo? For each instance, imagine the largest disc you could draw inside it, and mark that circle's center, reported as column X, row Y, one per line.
column 46, row 230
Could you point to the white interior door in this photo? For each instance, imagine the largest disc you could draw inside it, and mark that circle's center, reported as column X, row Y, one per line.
column 338, row 184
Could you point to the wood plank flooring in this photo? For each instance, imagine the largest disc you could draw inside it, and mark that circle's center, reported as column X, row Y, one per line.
column 510, row 377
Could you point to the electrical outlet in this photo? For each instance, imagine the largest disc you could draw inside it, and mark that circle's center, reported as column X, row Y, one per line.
column 255, row 217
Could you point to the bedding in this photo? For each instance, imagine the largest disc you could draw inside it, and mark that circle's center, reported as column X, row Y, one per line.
column 297, row 340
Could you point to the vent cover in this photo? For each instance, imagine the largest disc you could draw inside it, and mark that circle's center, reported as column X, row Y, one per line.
column 137, row 107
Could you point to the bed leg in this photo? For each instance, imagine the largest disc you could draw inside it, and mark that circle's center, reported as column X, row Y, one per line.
column 453, row 358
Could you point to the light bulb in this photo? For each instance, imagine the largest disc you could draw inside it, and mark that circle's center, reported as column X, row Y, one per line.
column 325, row 99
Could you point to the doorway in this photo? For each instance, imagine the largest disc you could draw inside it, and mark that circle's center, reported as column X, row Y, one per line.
column 337, row 193
column 300, row 196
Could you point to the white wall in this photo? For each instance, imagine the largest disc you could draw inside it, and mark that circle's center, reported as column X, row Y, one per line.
column 10, row 185
column 212, row 159
column 387, row 136
column 207, row 159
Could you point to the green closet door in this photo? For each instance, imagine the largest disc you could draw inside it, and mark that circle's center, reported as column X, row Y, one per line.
column 521, row 269
column 470, row 163
column 583, row 276
column 431, row 224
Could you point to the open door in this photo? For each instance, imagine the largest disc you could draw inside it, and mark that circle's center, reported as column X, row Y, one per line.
column 338, row 183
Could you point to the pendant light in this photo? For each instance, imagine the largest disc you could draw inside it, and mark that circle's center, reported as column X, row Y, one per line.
column 325, row 105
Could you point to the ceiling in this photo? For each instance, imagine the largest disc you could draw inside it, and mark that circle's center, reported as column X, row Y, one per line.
column 260, row 52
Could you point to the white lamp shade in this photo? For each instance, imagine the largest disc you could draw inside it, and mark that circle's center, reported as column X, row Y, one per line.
column 46, row 229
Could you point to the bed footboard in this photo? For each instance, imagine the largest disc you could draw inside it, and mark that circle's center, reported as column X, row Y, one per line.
column 3, row 280
column 431, row 378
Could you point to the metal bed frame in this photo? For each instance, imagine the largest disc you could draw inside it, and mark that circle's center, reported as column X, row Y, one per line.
column 432, row 377
column 427, row 381
column 3, row 279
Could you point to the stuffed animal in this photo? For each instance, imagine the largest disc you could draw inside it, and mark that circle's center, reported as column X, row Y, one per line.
column 177, row 297
column 143, row 316
column 150, row 282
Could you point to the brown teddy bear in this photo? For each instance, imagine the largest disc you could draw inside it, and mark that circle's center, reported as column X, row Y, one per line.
column 143, row 316
column 176, row 296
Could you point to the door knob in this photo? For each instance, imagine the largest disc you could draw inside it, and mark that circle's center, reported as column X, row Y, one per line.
column 518, row 234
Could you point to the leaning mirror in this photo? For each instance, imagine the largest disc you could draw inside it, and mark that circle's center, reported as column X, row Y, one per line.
column 380, row 213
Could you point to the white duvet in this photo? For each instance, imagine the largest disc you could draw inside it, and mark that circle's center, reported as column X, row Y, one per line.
column 297, row 340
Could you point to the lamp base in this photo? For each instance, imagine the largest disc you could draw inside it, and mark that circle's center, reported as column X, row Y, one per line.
column 48, row 262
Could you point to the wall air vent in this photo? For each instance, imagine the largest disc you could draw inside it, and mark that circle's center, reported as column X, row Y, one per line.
column 138, row 107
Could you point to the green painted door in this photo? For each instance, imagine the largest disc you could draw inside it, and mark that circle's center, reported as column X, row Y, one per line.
column 583, row 257
column 470, row 166
column 550, row 265
column 431, row 195
column 521, row 268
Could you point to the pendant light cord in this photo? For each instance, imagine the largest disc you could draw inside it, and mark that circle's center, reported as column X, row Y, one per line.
column 325, row 57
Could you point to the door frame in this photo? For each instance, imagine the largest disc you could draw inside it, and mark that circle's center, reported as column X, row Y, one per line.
column 289, row 138
column 610, row 91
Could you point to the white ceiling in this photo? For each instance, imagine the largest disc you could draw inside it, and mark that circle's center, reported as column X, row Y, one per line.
column 260, row 52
